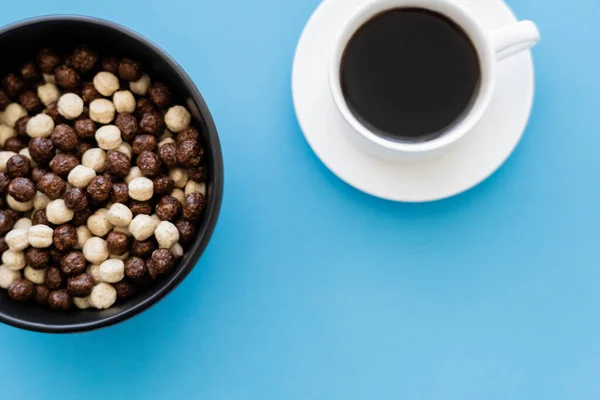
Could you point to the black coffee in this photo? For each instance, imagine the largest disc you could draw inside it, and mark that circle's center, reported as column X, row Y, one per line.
column 408, row 74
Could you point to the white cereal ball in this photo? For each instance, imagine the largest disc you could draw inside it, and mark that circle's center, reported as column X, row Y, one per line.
column 167, row 134
column 195, row 187
column 58, row 213
column 102, row 111
column 6, row 132
column 156, row 219
column 125, row 148
column 94, row 271
column 14, row 259
column 81, row 176
column 82, row 303
column 40, row 236
column 134, row 172
column 106, row 83
column 103, row 296
column 95, row 159
column 179, row 195
column 17, row 239
column 179, row 176
column 20, row 206
column 177, row 250
column 48, row 93
column 37, row 276
column 119, row 215
column 121, row 257
column 122, row 229
column 124, row 101
column 112, row 270
column 83, row 235
column 165, row 141
column 12, row 113
column 166, row 235
column 142, row 227
column 95, row 250
column 49, row 78
column 98, row 223
column 23, row 223
column 41, row 125
column 140, row 87
column 4, row 157
column 8, row 276
column 177, row 118
column 141, row 189
column 108, row 137
column 70, row 106
column 40, row 200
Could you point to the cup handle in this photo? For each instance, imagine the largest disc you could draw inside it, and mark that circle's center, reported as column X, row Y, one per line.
column 515, row 38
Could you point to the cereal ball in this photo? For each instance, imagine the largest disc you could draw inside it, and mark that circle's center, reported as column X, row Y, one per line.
column 119, row 215
column 119, row 193
column 58, row 213
column 103, row 296
column 6, row 132
column 108, row 137
column 18, row 166
column 95, row 159
column 166, row 138
column 168, row 208
column 190, row 133
column 40, row 201
column 125, row 289
column 52, row 112
column 89, row 93
column 118, row 243
column 54, row 278
column 30, row 72
column 94, row 272
column 12, row 113
column 187, row 231
column 140, row 207
column 106, row 83
column 135, row 269
column 177, row 250
column 4, row 182
column 17, row 144
column 140, row 86
column 81, row 302
column 149, row 163
column 40, row 236
column 81, row 176
column 125, row 148
column 82, row 147
column 130, row 70
column 13, row 259
column 83, row 235
column 13, row 84
column 65, row 238
column 195, row 203
column 21, row 290
column 52, row 185
column 48, row 60
column 177, row 118
column 49, row 78
column 166, row 234
column 142, row 227
column 160, row 95
column 4, row 157
column 41, row 150
column 17, row 239
column 156, row 219
column 66, row 77
column 118, row 164
column 8, row 276
column 22, row 189
column 23, row 223
column 98, row 223
column 85, row 128
column 19, row 205
column 163, row 262
column 37, row 258
column 83, row 59
column 76, row 199
column 30, row 101
column 40, row 126
column 24, row 152
column 37, row 276
column 63, row 163
column 64, row 137
column 133, row 173
column 144, row 143
column 189, row 153
column 102, row 111
column 163, row 184
column 152, row 122
column 59, row 300
column 141, row 189
column 179, row 176
column 41, row 295
column 112, row 270
column 21, row 125
column 5, row 100
column 12, row 215
column 179, row 195
column 143, row 106
column 39, row 218
column 48, row 93
column 128, row 126
column 124, row 101
column 80, row 285
column 81, row 217
column 70, row 106
column 99, row 188
column 110, row 64
column 95, row 250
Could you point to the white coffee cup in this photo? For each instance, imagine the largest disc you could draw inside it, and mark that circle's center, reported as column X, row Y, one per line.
column 491, row 47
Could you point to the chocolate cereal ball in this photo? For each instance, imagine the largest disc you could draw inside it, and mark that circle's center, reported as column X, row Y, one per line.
column 117, row 243
column 52, row 185
column 30, row 72
column 117, row 164
column 187, row 231
column 119, row 193
column 135, row 269
column 41, row 295
column 59, row 300
column 21, row 125
column 64, row 238
column 128, row 126
column 163, row 262
column 3, row 245
column 152, row 122
column 41, row 150
column 5, row 100
column 130, row 70
column 195, row 203
column 76, row 199
column 4, row 182
column 15, row 144
column 110, row 64
column 189, row 153
column 89, row 93
column 81, row 217
column 125, row 289
column 83, row 59
column 31, row 102
column 198, row 174
column 66, row 77
column 143, row 248
column 73, row 263
column 168, row 208
column 80, row 285
column 160, row 95
column 37, row 173
column 189, row 133
column 85, row 128
column 54, row 278
column 56, row 256
column 21, row 290
column 81, row 148
column 168, row 154
column 48, row 60
column 37, row 258
column 39, row 218
column 163, row 184
column 64, row 137
column 63, row 163
column 148, row 163
column 13, row 85
column 18, row 166
column 144, row 143
column 140, row 207
column 6, row 223
column 52, row 112
column 99, row 188
column 22, row 189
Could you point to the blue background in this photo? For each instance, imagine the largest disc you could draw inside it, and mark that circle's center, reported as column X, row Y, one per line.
column 313, row 290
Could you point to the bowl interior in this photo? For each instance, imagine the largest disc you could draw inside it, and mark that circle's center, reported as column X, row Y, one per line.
column 19, row 43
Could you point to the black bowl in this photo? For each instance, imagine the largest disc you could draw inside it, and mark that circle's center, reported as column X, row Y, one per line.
column 20, row 42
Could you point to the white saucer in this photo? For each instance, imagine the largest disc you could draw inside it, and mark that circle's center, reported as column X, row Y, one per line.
column 473, row 160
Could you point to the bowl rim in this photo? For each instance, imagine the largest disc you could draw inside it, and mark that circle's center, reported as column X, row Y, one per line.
column 214, row 200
